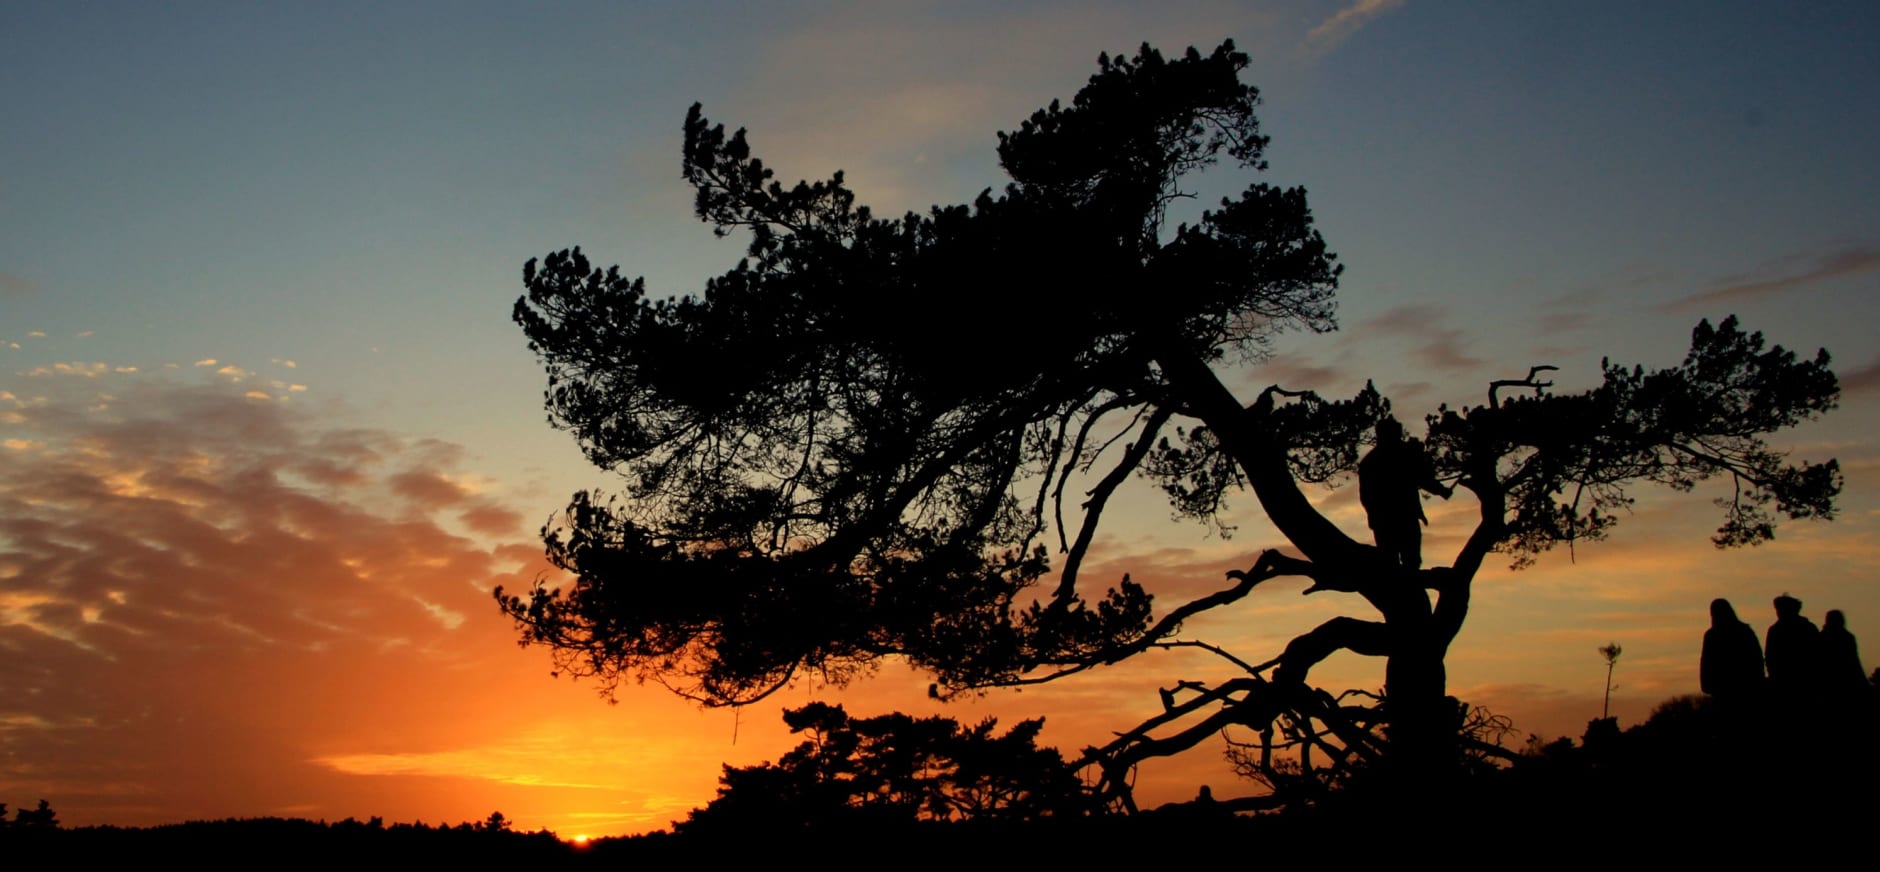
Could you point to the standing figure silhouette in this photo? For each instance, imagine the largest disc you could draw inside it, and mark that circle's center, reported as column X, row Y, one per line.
column 1732, row 664
column 1391, row 478
column 1792, row 650
column 1841, row 672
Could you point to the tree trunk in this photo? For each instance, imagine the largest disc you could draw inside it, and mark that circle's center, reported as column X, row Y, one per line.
column 1422, row 732
column 1422, row 738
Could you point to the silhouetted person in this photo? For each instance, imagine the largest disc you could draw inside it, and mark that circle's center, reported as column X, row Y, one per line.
column 1732, row 664
column 1841, row 672
column 1792, row 651
column 1390, row 478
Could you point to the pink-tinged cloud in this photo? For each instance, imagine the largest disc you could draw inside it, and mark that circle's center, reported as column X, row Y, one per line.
column 426, row 488
column 1294, row 372
column 1415, row 319
column 1831, row 265
column 207, row 601
column 12, row 285
column 79, row 368
column 1406, row 394
column 491, row 519
column 1564, row 322
column 1557, row 352
column 1328, row 34
column 1444, row 356
column 1438, row 346
column 1862, row 379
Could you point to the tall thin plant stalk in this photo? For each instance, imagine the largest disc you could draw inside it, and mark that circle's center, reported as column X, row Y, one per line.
column 1611, row 652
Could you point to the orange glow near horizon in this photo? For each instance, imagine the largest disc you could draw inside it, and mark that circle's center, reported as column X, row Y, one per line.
column 219, row 625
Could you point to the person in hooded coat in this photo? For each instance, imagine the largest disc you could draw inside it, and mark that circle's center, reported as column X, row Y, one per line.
column 1841, row 672
column 1732, row 664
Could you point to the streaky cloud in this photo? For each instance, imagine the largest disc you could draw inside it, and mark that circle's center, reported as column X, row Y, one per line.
column 13, row 285
column 1864, row 379
column 1333, row 31
column 1831, row 265
column 1440, row 346
column 196, row 587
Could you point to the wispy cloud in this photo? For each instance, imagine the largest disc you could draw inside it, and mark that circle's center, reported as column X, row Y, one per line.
column 491, row 519
column 492, row 763
column 1563, row 322
column 918, row 128
column 88, row 370
column 427, row 488
column 1862, row 379
column 1298, row 373
column 1333, row 31
column 217, row 584
column 558, row 757
column 1736, row 289
column 12, row 285
column 1438, row 346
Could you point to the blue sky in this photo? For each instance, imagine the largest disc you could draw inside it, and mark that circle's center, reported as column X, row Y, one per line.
column 353, row 188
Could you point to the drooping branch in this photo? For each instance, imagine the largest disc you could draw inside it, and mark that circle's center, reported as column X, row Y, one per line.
column 1266, row 568
column 1271, row 564
column 1100, row 497
column 845, row 543
column 1217, row 651
column 1071, row 462
column 1055, row 460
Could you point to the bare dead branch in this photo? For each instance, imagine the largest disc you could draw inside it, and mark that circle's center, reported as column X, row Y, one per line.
column 1099, row 497
column 1217, row 651
column 1076, row 451
column 1370, row 638
column 1494, row 402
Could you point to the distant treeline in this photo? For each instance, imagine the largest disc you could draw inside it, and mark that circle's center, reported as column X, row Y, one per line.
column 270, row 841
column 1699, row 779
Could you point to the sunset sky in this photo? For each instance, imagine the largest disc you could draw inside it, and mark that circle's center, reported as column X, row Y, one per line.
column 268, row 436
